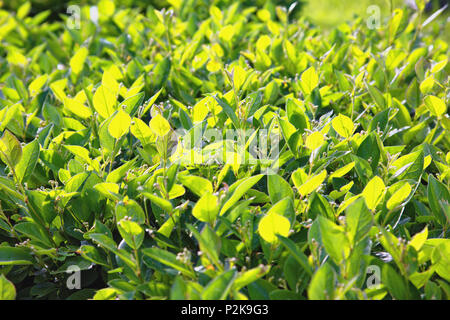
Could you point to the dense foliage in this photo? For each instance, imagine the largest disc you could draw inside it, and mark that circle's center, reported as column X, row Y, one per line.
column 355, row 204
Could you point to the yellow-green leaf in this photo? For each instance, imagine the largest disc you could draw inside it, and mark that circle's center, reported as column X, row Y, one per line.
column 309, row 80
column 78, row 59
column 227, row 33
column 373, row 192
column 314, row 140
column 10, row 149
column 436, row 105
column 36, row 85
column 77, row 108
column 142, row 131
column 312, row 183
column 419, row 239
column 207, row 208
column 120, row 124
column 398, row 196
column 343, row 125
column 104, row 101
column 7, row 289
column 159, row 125
column 273, row 224
column 106, row 7
column 342, row 171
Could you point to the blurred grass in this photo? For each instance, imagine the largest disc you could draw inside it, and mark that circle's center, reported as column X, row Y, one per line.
column 329, row 13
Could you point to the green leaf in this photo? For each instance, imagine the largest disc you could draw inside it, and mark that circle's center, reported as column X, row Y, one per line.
column 27, row 163
column 142, row 132
column 131, row 232
column 441, row 259
column 120, row 124
column 10, row 149
column 104, row 102
column 206, row 208
column 247, row 277
column 15, row 256
column 159, row 125
column 34, row 232
column 312, row 183
column 42, row 207
column 419, row 239
column 197, row 185
column 296, row 115
column 106, row 7
column 314, row 140
column 272, row 225
column 242, row 187
column 322, row 284
column 397, row 198
column 358, row 220
column 77, row 61
column 334, row 240
column 79, row 152
column 436, row 105
column 343, row 125
column 291, row 135
column 278, row 188
column 395, row 283
column 7, row 289
column 438, row 198
column 309, row 80
column 169, row 259
column 301, row 258
column 219, row 287
column 377, row 96
column 373, row 192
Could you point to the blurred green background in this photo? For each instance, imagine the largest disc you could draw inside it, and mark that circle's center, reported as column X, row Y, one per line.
column 325, row 13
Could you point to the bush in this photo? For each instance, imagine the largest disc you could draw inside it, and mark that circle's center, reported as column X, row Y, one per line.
column 118, row 178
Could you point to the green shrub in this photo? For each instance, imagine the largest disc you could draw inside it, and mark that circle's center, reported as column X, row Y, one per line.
column 351, row 202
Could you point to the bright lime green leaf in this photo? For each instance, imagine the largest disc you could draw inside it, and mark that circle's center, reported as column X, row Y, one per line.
column 299, row 177
column 439, row 66
column 436, row 105
column 77, row 108
column 272, row 225
column 10, row 149
column 312, row 183
column 141, row 131
column 343, row 125
column 342, row 171
column 426, row 85
column 36, row 85
column 373, row 192
column 206, row 208
column 314, row 140
column 309, row 80
column 227, row 33
column 106, row 7
column 58, row 88
column 197, row 185
column 78, row 59
column 159, row 125
column 120, row 124
column 104, row 102
column 419, row 239
column 80, row 152
column 397, row 198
